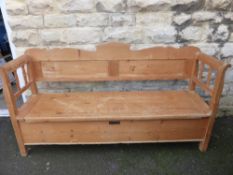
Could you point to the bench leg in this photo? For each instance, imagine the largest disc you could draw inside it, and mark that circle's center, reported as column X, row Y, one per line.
column 23, row 150
column 203, row 145
column 19, row 138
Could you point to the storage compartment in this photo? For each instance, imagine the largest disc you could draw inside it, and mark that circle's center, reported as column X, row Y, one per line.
column 103, row 132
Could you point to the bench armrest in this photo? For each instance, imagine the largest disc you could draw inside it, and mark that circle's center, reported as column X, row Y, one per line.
column 23, row 65
column 207, row 63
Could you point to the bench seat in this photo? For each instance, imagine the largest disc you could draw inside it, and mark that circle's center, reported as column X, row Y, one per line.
column 133, row 105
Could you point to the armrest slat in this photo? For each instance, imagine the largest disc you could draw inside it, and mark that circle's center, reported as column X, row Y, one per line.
column 21, row 62
column 8, row 94
column 212, row 62
column 218, row 87
column 214, row 65
column 203, row 86
column 16, row 63
column 18, row 93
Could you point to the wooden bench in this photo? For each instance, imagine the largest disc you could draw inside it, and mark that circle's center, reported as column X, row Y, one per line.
column 114, row 117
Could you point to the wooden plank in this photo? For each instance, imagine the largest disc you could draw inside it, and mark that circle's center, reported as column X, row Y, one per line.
column 212, row 62
column 103, row 132
column 188, row 52
column 57, row 54
column 119, row 51
column 111, row 51
column 135, row 105
column 165, row 68
column 76, row 70
column 16, row 63
column 113, row 78
column 111, row 70
column 79, row 65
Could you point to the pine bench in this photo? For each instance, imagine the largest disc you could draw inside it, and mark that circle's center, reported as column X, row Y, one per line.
column 114, row 117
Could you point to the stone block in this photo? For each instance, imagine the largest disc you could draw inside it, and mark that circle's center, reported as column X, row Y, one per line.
column 221, row 34
column 25, row 22
column 118, row 19
column 92, row 19
column 24, row 38
column 202, row 16
column 181, row 19
column 40, row 7
column 84, row 35
column 59, row 20
column 149, row 5
column 218, row 4
column 123, row 34
column 16, row 7
column 111, row 5
column 52, row 37
column 72, row 6
column 160, row 34
column 150, row 19
column 208, row 48
column 195, row 33
column 227, row 50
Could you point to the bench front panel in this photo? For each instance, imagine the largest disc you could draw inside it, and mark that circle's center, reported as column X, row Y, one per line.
column 113, row 131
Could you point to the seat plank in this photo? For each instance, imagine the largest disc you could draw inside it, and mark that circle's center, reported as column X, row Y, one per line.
column 134, row 105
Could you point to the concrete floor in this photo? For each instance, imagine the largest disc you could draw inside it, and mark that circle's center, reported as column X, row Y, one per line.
column 136, row 159
column 2, row 100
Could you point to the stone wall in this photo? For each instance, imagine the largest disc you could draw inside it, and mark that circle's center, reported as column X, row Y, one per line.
column 207, row 24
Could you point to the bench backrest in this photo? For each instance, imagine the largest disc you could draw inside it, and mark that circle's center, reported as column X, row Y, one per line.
column 112, row 61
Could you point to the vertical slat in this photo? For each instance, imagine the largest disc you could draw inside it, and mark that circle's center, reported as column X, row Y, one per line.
column 192, row 84
column 31, row 76
column 17, row 79
column 113, row 68
column 209, row 76
column 201, row 69
column 24, row 74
